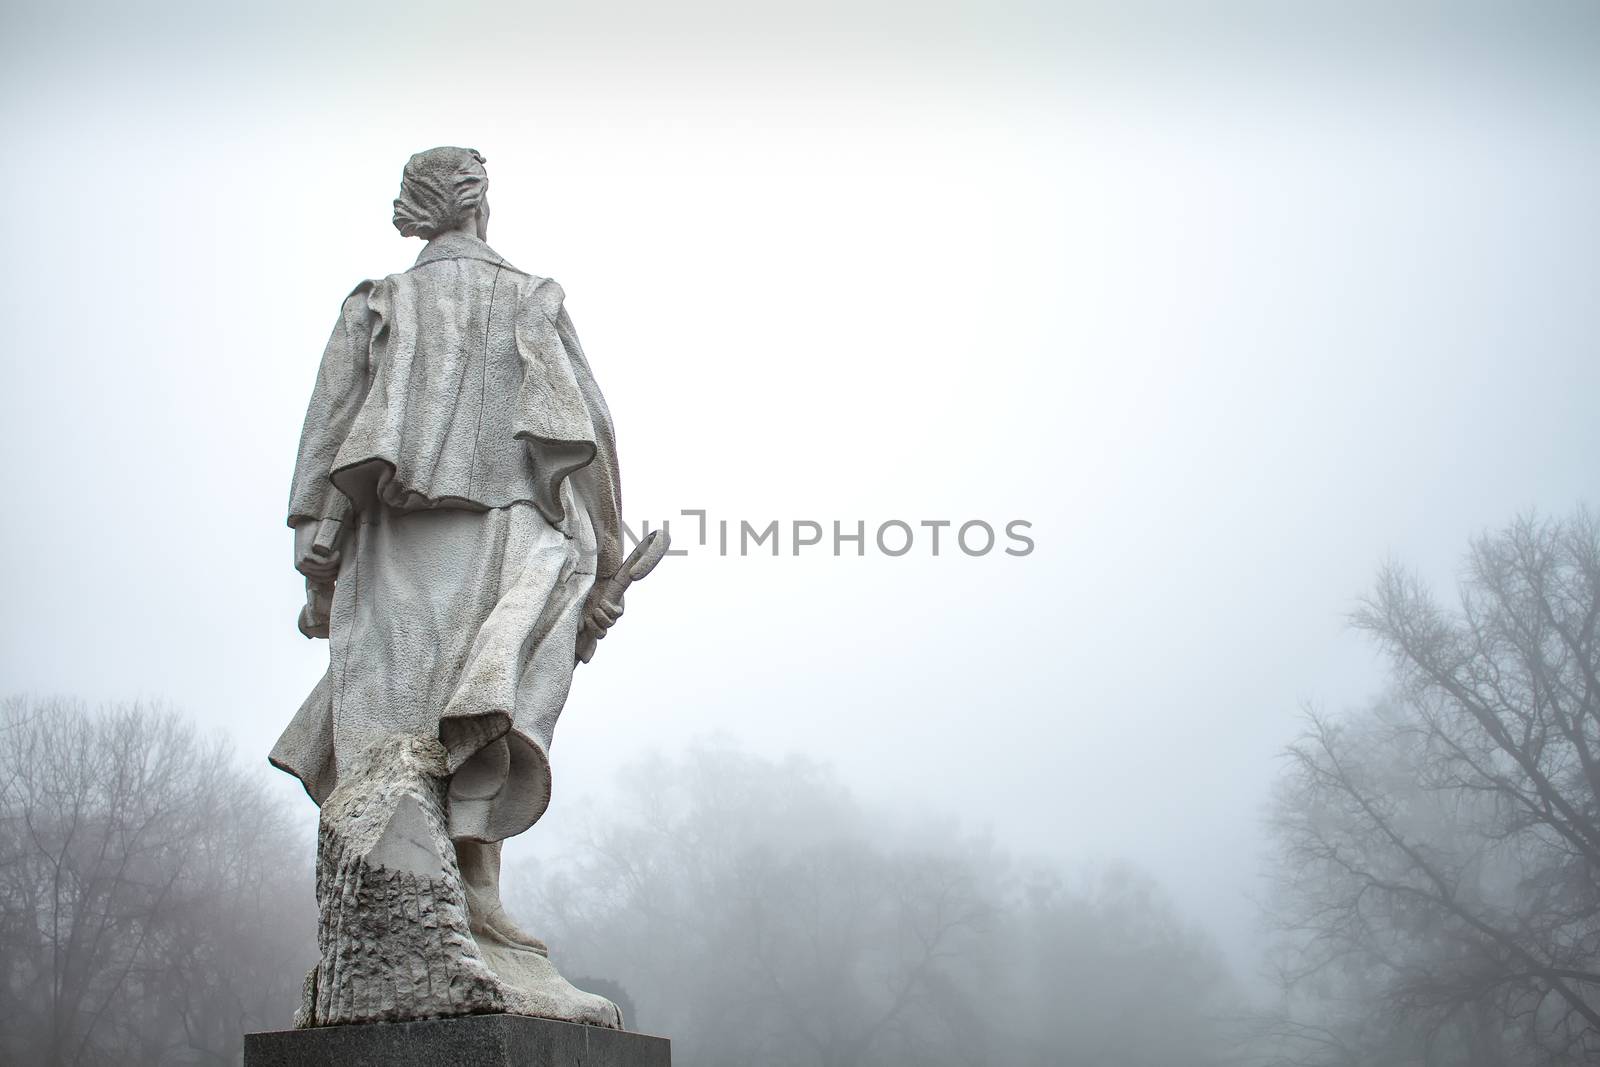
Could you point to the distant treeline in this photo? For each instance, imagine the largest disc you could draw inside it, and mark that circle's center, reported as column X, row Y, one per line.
column 155, row 905
column 756, row 914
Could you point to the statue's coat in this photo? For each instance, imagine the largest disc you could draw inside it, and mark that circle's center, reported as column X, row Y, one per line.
column 456, row 423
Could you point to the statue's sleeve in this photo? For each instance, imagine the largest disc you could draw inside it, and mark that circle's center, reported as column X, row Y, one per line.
column 599, row 484
column 336, row 398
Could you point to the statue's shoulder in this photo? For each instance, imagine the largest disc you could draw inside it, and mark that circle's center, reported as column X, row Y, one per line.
column 545, row 294
column 535, row 293
column 363, row 289
column 358, row 304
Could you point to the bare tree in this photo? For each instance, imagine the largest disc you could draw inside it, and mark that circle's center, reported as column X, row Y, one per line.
column 1440, row 852
column 151, row 896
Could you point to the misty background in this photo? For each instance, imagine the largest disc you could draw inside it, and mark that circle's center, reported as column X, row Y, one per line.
column 1233, row 307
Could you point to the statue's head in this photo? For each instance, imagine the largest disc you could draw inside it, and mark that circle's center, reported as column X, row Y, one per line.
column 440, row 190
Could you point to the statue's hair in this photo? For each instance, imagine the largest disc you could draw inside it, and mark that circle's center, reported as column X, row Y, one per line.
column 438, row 188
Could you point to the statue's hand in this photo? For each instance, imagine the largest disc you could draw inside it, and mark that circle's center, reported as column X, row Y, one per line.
column 319, row 563
column 600, row 612
column 603, row 609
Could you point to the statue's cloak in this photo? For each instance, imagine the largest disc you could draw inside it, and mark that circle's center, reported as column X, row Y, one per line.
column 456, row 429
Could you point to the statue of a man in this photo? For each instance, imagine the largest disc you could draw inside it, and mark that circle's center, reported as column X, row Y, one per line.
column 457, row 488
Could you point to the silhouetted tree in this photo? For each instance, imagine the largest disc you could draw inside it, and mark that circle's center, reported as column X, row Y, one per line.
column 1439, row 854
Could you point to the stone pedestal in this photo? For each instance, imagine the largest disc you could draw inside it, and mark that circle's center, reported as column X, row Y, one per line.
column 464, row 1041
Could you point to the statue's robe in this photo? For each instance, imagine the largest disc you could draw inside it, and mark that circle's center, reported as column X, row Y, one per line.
column 456, row 423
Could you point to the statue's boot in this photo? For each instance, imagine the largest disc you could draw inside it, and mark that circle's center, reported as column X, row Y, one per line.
column 532, row 985
column 486, row 915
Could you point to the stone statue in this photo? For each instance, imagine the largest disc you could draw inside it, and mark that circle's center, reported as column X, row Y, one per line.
column 456, row 515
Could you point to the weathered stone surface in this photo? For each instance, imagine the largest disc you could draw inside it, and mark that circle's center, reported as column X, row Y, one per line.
column 393, row 937
column 475, row 1041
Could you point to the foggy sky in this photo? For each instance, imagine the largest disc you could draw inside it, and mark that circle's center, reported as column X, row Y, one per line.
column 1230, row 309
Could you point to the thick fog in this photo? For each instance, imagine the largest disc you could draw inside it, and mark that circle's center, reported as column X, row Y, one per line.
column 1229, row 310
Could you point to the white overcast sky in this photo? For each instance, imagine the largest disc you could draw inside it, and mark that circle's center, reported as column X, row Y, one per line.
column 1231, row 307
